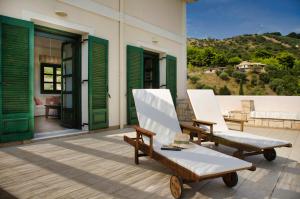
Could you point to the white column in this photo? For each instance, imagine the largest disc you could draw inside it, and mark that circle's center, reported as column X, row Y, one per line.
column 84, row 86
column 122, row 79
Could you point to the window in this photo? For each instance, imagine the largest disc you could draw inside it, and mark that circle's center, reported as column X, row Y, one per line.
column 50, row 78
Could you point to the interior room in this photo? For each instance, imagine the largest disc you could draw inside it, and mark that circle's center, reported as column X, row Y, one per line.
column 47, row 84
column 151, row 70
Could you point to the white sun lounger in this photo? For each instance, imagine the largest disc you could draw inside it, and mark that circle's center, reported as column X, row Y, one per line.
column 208, row 112
column 158, row 125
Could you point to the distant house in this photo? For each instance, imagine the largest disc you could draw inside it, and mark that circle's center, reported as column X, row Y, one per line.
column 214, row 70
column 246, row 66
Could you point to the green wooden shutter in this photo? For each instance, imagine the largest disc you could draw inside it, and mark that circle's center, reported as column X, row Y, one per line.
column 16, row 79
column 171, row 82
column 135, row 63
column 98, row 83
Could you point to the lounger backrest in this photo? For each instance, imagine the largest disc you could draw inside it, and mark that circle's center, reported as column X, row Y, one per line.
column 206, row 107
column 156, row 113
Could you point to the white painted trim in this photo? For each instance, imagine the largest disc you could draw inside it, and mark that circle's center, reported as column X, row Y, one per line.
column 41, row 19
column 110, row 13
column 151, row 47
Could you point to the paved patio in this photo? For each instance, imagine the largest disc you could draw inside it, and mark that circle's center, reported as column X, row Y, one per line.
column 100, row 165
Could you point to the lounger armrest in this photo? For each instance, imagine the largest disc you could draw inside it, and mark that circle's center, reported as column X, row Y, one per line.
column 143, row 132
column 191, row 128
column 239, row 121
column 206, row 123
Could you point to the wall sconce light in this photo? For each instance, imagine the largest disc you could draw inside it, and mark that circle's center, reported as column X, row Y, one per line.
column 61, row 13
column 154, row 40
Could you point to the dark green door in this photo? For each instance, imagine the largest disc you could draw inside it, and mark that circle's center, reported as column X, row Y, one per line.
column 98, row 83
column 16, row 79
column 135, row 79
column 68, row 97
column 171, row 79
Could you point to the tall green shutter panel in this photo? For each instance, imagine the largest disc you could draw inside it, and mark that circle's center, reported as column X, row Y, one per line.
column 98, row 83
column 172, row 76
column 16, row 79
column 135, row 63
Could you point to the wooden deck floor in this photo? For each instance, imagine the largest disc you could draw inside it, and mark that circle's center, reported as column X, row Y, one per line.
column 101, row 165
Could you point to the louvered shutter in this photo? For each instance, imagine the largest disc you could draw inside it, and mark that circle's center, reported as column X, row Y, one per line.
column 16, row 79
column 98, row 82
column 172, row 76
column 135, row 62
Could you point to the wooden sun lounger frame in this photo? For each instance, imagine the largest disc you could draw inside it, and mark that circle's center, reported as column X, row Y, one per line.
column 181, row 174
column 243, row 150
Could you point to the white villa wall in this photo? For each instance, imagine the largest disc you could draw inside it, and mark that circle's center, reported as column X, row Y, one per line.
column 261, row 103
column 144, row 21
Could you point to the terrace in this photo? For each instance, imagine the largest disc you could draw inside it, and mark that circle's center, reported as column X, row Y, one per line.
column 101, row 165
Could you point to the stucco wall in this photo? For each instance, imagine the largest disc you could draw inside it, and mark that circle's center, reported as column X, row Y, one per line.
column 162, row 21
column 261, row 103
column 166, row 14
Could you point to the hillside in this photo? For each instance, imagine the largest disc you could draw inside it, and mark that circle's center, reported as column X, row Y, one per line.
column 244, row 46
column 212, row 64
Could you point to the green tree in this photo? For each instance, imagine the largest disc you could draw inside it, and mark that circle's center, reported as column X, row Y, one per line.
column 264, row 77
column 220, row 60
column 208, row 56
column 254, row 80
column 286, row 59
column 239, row 76
column 234, row 61
column 241, row 91
column 261, row 53
column 224, row 91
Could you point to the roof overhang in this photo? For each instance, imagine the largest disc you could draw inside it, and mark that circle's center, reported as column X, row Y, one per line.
column 189, row 1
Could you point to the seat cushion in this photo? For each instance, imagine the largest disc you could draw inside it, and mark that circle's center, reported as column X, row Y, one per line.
column 250, row 139
column 203, row 161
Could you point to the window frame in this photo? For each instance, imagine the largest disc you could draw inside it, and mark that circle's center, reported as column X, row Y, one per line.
column 42, row 82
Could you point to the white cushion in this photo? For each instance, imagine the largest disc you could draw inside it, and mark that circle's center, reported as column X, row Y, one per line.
column 250, row 139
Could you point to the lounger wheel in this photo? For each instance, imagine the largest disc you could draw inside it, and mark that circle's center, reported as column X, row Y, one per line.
column 270, row 154
column 176, row 186
column 231, row 179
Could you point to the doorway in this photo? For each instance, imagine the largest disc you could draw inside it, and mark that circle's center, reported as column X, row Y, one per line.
column 151, row 70
column 57, row 85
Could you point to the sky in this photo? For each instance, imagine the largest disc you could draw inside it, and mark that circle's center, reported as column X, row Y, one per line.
column 226, row 18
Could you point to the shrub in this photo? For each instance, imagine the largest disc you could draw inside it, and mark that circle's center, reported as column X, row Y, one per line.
column 224, row 91
column 229, row 70
column 224, row 76
column 254, row 80
column 194, row 78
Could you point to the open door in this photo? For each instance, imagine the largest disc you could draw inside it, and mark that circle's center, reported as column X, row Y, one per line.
column 16, row 79
column 70, row 86
column 135, row 79
column 171, row 79
column 98, row 83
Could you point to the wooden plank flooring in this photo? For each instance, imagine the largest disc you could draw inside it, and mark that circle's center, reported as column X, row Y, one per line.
column 101, row 165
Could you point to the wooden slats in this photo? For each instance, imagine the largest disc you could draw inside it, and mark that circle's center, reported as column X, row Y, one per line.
column 134, row 79
column 98, row 83
column 15, row 69
column 172, row 76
